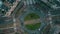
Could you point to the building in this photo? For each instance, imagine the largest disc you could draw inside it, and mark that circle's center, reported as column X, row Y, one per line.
column 11, row 1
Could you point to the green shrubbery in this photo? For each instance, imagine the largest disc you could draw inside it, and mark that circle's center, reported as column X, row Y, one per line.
column 31, row 16
column 33, row 26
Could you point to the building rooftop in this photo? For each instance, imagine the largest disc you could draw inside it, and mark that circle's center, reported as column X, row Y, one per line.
column 11, row 1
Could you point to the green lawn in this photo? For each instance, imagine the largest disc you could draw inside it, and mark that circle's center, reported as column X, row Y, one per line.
column 33, row 26
column 31, row 16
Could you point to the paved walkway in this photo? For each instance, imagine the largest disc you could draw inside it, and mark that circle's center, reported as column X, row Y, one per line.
column 32, row 21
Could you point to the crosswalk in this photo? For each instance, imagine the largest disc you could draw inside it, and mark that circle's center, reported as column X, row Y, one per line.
column 29, row 2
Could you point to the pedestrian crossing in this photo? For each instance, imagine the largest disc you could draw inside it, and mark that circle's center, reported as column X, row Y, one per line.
column 29, row 2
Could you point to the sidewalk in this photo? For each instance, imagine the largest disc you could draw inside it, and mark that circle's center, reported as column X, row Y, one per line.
column 12, row 8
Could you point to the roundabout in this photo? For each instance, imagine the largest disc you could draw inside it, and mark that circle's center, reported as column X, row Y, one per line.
column 41, row 19
column 33, row 17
